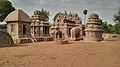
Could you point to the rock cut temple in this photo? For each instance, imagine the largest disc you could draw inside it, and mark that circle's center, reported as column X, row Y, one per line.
column 25, row 29
column 63, row 23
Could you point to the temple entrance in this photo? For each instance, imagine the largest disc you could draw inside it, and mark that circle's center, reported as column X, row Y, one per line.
column 46, row 30
column 58, row 35
column 24, row 29
column 69, row 31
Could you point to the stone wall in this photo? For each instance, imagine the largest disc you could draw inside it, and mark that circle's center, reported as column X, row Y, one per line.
column 5, row 39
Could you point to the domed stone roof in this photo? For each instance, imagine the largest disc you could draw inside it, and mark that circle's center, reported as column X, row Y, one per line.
column 18, row 15
column 94, row 16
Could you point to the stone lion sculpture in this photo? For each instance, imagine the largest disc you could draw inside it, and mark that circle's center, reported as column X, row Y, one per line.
column 76, row 32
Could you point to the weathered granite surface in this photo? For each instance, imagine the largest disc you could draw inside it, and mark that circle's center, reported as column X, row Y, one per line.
column 5, row 39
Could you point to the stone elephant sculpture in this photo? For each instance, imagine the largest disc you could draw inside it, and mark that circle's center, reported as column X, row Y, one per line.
column 76, row 32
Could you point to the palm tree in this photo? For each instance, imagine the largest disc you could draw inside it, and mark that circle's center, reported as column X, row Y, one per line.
column 85, row 13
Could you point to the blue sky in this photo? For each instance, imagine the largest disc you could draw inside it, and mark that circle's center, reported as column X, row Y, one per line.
column 104, row 8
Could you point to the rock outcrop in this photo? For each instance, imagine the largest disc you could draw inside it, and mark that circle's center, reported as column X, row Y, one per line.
column 5, row 39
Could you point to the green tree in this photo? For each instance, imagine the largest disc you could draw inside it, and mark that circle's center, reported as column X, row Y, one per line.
column 3, row 26
column 107, row 28
column 45, row 14
column 117, row 17
column 104, row 27
column 117, row 20
column 110, row 28
column 5, row 8
column 117, row 28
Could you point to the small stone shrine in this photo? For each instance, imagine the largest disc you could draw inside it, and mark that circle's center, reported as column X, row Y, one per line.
column 93, row 29
column 65, row 22
column 40, row 26
column 18, row 26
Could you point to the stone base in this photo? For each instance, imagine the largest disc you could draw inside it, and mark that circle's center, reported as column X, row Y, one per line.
column 34, row 40
column 76, row 39
column 93, row 40
column 62, row 41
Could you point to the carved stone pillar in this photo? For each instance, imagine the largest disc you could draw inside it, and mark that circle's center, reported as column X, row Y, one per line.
column 41, row 31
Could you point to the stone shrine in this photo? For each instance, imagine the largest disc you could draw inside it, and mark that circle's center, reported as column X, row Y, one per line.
column 18, row 26
column 40, row 25
column 93, row 29
column 64, row 22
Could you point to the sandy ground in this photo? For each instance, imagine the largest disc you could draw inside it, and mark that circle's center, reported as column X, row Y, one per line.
column 50, row 54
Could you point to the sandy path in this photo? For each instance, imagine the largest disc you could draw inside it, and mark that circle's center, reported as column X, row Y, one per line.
column 50, row 54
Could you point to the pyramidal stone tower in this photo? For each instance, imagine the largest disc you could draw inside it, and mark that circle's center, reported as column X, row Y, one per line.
column 93, row 29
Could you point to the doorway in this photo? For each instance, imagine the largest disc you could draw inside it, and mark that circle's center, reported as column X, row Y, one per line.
column 24, row 29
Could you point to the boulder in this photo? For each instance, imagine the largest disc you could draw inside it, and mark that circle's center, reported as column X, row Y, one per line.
column 5, row 39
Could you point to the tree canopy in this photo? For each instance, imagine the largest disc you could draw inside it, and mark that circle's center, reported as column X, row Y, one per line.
column 117, row 17
column 5, row 8
column 117, row 20
column 107, row 28
column 43, row 14
column 114, row 29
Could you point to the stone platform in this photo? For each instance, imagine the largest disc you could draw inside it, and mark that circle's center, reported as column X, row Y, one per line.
column 34, row 40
